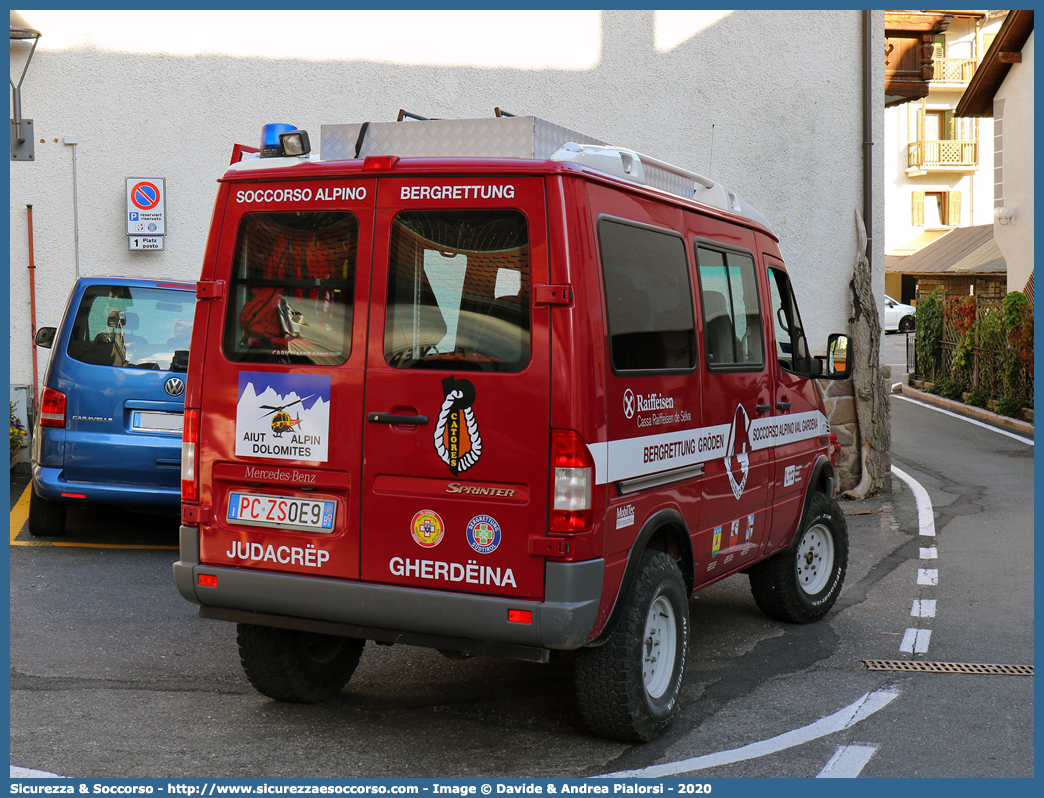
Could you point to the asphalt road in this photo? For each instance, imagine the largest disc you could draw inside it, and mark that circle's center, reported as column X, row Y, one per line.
column 113, row 674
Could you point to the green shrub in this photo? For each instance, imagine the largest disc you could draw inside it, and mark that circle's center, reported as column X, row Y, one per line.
column 929, row 333
column 948, row 388
column 1009, row 406
column 978, row 397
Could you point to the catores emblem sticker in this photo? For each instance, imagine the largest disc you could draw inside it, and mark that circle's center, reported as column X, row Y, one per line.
column 457, row 438
column 483, row 534
column 427, row 528
column 716, row 542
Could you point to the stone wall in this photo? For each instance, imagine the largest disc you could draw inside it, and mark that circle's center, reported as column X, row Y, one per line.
column 839, row 403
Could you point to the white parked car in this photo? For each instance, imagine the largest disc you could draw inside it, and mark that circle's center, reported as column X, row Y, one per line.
column 898, row 316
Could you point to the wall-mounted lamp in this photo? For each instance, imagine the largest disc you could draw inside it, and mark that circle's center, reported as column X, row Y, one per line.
column 22, row 148
column 1003, row 214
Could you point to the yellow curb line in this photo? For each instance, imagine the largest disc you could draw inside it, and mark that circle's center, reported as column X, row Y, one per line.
column 20, row 514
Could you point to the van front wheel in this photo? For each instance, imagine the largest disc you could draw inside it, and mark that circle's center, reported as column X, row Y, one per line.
column 802, row 583
column 629, row 688
column 297, row 667
column 46, row 519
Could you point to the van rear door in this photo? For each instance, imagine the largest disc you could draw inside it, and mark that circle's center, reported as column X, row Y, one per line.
column 456, row 437
column 281, row 447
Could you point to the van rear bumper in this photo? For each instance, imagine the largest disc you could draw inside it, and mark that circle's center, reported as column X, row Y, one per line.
column 51, row 484
column 387, row 613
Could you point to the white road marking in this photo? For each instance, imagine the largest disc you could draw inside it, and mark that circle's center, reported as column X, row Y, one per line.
column 927, row 576
column 843, row 719
column 923, row 608
column 915, row 641
column 1019, row 438
column 925, row 514
column 931, row 553
column 847, row 762
column 22, row 773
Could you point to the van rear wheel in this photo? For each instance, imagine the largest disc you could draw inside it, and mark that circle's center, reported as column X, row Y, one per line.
column 297, row 667
column 46, row 519
column 629, row 688
column 802, row 583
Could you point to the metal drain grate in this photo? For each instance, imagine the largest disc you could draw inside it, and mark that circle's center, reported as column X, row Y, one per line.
column 947, row 667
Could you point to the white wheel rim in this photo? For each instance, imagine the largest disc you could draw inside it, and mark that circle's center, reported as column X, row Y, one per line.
column 815, row 559
column 659, row 647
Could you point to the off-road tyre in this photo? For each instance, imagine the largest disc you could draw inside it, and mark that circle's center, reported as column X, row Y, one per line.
column 46, row 518
column 297, row 667
column 801, row 584
column 617, row 698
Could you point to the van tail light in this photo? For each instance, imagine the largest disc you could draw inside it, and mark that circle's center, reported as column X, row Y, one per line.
column 573, row 482
column 52, row 408
column 189, row 457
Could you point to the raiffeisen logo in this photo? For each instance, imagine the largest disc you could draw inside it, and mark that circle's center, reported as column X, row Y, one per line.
column 654, row 401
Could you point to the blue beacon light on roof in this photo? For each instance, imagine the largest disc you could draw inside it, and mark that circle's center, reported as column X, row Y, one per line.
column 271, row 147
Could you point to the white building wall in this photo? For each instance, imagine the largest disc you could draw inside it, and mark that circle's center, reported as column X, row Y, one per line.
column 1015, row 240
column 767, row 102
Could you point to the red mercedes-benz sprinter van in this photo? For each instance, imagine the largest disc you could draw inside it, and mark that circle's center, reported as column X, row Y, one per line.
column 497, row 405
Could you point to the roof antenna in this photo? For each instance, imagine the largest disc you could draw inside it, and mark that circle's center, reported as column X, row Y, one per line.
column 710, row 166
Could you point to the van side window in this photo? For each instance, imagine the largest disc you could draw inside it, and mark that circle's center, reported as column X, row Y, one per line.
column 731, row 309
column 648, row 298
column 293, row 281
column 458, row 291
column 791, row 348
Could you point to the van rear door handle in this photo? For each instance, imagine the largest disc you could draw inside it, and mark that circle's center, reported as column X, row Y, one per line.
column 782, row 405
column 761, row 408
column 391, row 418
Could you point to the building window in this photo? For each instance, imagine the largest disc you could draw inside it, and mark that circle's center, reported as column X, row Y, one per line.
column 936, row 208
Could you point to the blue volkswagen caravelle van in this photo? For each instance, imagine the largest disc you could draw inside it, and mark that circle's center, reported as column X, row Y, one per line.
column 110, row 420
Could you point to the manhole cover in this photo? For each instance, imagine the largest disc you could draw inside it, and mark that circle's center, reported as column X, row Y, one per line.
column 947, row 667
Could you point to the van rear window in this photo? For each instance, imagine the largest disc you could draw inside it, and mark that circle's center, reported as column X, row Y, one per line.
column 292, row 286
column 458, row 291
column 133, row 327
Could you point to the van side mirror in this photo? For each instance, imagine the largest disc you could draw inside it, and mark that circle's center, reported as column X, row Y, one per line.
column 45, row 336
column 837, row 363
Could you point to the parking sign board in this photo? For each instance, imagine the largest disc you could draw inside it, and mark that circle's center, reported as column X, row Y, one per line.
column 146, row 206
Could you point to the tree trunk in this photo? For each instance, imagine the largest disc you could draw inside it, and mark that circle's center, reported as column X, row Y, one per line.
column 873, row 412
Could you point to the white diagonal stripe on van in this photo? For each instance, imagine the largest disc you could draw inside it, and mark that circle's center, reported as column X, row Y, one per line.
column 627, row 458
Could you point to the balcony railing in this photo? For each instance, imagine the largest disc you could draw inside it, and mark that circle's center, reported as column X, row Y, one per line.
column 954, row 70
column 943, row 154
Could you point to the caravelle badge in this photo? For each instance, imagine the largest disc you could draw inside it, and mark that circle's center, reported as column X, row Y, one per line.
column 457, row 438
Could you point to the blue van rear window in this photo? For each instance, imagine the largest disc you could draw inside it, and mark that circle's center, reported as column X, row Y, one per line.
column 133, row 327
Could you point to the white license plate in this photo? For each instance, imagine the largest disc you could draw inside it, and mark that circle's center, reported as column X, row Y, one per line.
column 154, row 421
column 284, row 512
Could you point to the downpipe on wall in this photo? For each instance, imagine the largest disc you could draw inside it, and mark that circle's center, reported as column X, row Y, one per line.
column 32, row 310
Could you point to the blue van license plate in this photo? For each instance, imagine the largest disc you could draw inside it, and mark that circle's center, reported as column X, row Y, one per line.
column 281, row 511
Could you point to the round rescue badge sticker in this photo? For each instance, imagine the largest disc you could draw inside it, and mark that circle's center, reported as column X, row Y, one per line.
column 483, row 534
column 427, row 528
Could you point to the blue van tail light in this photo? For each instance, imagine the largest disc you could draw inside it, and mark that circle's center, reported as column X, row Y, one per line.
column 52, row 408
column 573, row 481
column 189, row 463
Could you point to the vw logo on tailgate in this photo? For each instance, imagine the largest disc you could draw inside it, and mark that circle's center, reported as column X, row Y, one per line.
column 175, row 386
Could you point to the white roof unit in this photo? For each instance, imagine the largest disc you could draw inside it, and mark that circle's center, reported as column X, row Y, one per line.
column 523, row 137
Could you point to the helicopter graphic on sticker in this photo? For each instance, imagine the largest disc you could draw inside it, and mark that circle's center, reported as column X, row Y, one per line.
column 457, row 438
column 283, row 416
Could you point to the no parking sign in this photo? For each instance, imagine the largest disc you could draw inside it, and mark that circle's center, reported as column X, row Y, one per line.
column 146, row 207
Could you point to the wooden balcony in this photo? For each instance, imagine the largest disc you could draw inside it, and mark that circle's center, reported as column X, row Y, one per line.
column 941, row 156
column 953, row 70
